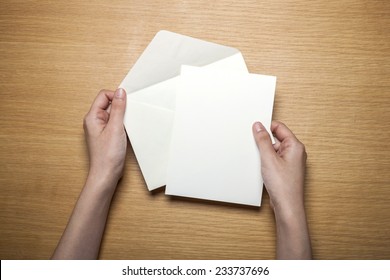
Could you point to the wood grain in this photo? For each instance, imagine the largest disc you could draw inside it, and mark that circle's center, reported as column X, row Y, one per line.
column 332, row 60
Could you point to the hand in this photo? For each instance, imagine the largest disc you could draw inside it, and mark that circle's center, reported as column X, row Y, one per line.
column 282, row 165
column 283, row 169
column 106, row 140
column 106, row 137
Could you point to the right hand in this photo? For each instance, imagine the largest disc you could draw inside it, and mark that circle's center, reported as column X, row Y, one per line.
column 282, row 166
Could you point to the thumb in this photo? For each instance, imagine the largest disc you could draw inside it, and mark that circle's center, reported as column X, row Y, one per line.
column 118, row 107
column 263, row 141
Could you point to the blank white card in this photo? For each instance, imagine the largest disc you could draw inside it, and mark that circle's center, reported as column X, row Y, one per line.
column 213, row 153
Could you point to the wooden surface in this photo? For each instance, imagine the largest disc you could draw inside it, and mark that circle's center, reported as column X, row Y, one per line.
column 332, row 60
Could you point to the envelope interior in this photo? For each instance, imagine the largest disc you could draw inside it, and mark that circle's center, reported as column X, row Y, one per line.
column 164, row 56
column 151, row 86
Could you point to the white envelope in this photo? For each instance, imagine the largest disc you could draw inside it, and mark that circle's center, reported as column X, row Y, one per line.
column 151, row 86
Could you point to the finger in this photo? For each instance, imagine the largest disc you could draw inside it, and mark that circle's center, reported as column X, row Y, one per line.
column 117, row 111
column 277, row 144
column 108, row 110
column 263, row 141
column 102, row 100
column 281, row 131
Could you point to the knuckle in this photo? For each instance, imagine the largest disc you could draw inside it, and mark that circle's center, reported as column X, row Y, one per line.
column 300, row 148
column 86, row 121
column 101, row 115
column 102, row 91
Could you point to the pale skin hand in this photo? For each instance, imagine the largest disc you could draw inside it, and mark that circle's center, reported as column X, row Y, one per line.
column 283, row 169
column 107, row 142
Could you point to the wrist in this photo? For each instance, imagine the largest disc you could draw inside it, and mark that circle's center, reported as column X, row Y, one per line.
column 103, row 182
column 289, row 212
column 293, row 240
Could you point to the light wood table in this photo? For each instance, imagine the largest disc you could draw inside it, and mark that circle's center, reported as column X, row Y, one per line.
column 332, row 60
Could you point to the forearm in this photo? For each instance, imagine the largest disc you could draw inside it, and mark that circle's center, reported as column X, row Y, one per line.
column 293, row 241
column 83, row 234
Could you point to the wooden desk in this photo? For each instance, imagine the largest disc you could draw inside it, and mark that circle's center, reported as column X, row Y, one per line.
column 332, row 60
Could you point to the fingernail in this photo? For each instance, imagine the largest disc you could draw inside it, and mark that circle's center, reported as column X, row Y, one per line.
column 119, row 93
column 257, row 127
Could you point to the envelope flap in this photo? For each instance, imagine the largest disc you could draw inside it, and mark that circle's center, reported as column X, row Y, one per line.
column 163, row 57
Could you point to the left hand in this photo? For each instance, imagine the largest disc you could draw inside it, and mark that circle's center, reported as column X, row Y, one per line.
column 106, row 136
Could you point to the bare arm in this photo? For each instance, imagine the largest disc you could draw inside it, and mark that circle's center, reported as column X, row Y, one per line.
column 106, row 139
column 283, row 169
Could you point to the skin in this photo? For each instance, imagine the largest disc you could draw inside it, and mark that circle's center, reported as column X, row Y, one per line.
column 283, row 170
column 107, row 142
